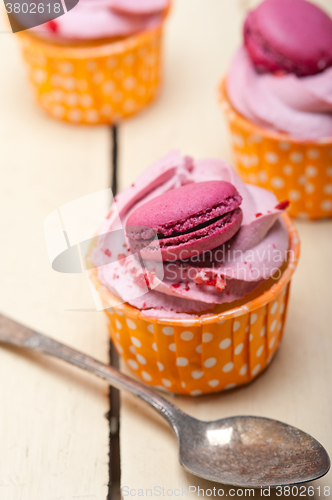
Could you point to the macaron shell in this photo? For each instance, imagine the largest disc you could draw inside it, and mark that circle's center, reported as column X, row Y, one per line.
column 192, row 244
column 183, row 208
column 289, row 35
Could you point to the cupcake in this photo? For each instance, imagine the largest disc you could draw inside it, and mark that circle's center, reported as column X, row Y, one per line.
column 196, row 290
column 99, row 62
column 277, row 98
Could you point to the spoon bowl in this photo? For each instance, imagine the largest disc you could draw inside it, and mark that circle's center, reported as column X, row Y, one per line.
column 250, row 451
column 241, row 451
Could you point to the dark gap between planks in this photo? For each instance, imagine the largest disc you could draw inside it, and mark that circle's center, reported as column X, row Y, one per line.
column 114, row 395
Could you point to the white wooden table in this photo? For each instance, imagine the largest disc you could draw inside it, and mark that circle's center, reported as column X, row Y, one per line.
column 54, row 437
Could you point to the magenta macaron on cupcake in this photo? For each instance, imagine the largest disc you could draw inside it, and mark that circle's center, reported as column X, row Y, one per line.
column 187, row 221
column 195, row 285
column 277, row 100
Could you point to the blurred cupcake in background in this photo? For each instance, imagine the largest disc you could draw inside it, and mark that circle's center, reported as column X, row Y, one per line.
column 277, row 98
column 99, row 62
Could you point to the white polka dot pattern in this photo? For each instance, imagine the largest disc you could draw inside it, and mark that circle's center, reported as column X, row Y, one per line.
column 228, row 367
column 271, row 157
column 236, row 326
column 200, row 360
column 238, row 349
column 207, row 337
column 133, row 364
column 141, row 359
column 168, row 330
column 253, row 318
column 182, row 362
column 136, row 342
column 187, row 336
column 256, row 370
column 243, row 370
column 196, row 392
column 224, row 344
column 208, row 363
column 132, row 349
column 146, row 376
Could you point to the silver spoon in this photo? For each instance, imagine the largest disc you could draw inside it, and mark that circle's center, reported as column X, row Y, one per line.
column 241, row 451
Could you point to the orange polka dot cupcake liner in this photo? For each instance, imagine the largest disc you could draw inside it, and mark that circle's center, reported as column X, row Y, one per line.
column 298, row 171
column 97, row 84
column 205, row 354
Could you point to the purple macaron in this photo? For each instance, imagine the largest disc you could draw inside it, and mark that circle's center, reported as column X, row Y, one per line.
column 292, row 36
column 187, row 221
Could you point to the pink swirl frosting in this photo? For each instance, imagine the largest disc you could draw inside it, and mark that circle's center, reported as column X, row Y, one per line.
column 95, row 19
column 299, row 106
column 227, row 273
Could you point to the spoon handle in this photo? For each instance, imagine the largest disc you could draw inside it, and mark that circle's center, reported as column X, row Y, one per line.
column 14, row 333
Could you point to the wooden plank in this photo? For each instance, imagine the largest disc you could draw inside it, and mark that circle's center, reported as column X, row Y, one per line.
column 199, row 44
column 201, row 39
column 53, row 432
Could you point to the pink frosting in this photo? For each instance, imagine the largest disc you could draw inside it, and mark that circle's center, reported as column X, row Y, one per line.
column 299, row 106
column 94, row 19
column 223, row 275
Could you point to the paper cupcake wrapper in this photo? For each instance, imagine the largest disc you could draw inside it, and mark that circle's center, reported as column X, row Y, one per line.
column 298, row 171
column 205, row 354
column 97, row 84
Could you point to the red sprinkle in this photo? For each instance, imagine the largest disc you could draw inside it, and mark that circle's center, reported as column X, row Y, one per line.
column 186, row 287
column 52, row 26
column 282, row 205
column 259, row 214
column 107, row 252
column 212, row 282
column 142, row 281
column 115, row 276
column 121, row 258
column 133, row 270
column 176, row 285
